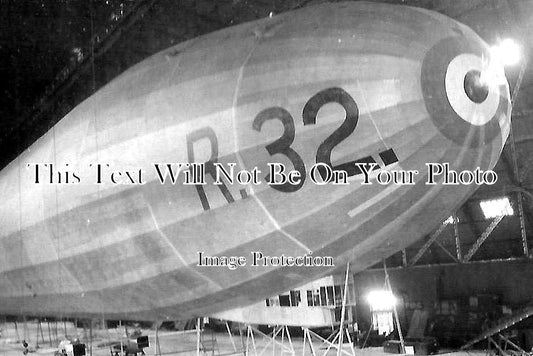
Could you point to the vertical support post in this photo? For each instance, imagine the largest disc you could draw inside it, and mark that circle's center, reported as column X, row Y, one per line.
column 274, row 334
column 244, row 347
column 84, row 333
column 517, row 177
column 121, row 343
column 250, row 336
column 404, row 258
column 17, row 331
column 523, row 233
column 91, row 337
column 282, row 339
column 397, row 319
column 56, row 333
column 213, row 343
column 303, row 344
column 253, row 340
column 457, row 239
column 351, row 342
column 353, row 299
column 157, row 350
column 310, row 340
column 49, row 332
column 36, row 337
column 25, row 332
column 198, row 337
column 343, row 309
column 247, row 345
column 41, row 329
column 290, row 340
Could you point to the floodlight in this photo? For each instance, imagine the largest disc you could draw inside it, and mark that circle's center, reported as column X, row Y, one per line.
column 381, row 300
column 507, row 52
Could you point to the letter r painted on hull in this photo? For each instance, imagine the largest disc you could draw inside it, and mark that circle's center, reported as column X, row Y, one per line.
column 209, row 134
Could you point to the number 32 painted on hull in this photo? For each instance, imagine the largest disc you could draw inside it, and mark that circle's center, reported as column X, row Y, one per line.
column 323, row 155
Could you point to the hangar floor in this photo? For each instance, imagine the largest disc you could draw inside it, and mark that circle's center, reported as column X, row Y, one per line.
column 179, row 343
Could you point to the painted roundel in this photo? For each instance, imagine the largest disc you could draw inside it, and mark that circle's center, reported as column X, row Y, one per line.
column 465, row 93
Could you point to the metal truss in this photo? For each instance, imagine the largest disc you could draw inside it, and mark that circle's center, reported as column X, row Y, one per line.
column 458, row 256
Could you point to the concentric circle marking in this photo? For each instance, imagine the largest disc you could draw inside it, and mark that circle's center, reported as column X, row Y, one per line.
column 475, row 113
column 475, row 89
column 464, row 105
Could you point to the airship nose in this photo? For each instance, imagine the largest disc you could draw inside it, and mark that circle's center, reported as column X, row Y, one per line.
column 465, row 91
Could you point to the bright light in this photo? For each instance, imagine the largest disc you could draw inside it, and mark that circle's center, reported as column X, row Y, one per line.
column 450, row 221
column 496, row 207
column 507, row 52
column 381, row 300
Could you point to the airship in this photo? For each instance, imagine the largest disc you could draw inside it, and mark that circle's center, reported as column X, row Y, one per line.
column 93, row 225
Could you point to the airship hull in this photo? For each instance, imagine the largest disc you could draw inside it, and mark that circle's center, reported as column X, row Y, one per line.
column 334, row 84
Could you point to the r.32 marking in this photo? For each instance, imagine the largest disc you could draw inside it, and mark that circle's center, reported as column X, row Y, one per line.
column 323, row 155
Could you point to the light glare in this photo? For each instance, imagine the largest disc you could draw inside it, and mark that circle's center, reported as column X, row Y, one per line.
column 506, row 52
column 381, row 300
column 449, row 220
column 496, row 207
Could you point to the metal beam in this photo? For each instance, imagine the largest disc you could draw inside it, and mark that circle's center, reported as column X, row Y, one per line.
column 446, row 251
column 523, row 233
column 514, row 157
column 447, row 264
column 472, row 225
column 483, row 237
column 528, row 214
column 502, row 325
column 457, row 239
column 428, row 243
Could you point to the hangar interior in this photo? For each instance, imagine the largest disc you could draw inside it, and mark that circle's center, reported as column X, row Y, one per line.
column 473, row 271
